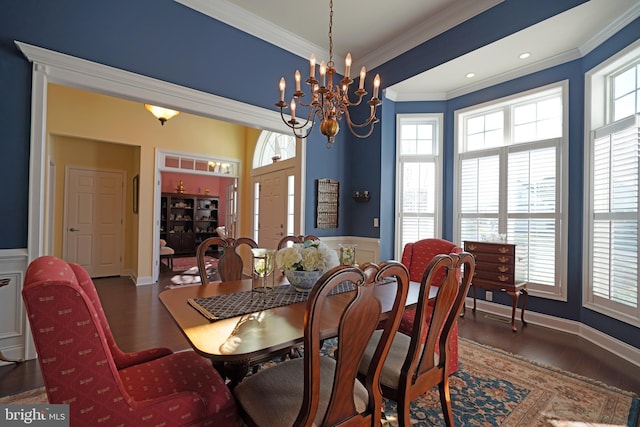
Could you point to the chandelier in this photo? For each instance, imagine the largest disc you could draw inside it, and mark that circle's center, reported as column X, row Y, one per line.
column 329, row 102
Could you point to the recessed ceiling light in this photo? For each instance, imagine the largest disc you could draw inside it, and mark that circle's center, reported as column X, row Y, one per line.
column 470, row 75
column 524, row 55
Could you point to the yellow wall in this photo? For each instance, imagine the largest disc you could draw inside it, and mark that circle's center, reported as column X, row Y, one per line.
column 246, row 197
column 88, row 116
column 67, row 151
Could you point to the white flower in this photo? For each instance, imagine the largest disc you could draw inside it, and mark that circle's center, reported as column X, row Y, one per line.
column 312, row 255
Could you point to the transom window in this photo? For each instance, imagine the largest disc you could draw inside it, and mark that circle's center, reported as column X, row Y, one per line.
column 173, row 161
column 509, row 163
column 273, row 147
column 625, row 86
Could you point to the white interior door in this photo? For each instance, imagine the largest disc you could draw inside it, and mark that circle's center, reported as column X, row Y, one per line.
column 93, row 220
column 273, row 208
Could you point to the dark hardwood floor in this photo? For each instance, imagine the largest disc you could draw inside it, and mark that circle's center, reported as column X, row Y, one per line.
column 138, row 320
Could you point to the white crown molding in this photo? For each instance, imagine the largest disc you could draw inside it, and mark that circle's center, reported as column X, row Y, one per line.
column 615, row 26
column 437, row 24
column 83, row 74
column 250, row 23
column 516, row 73
column 255, row 25
column 483, row 84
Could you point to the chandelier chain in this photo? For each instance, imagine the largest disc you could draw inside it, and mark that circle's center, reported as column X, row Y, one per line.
column 329, row 103
column 330, row 33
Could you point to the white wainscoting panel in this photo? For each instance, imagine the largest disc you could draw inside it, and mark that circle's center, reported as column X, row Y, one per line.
column 13, row 322
column 367, row 249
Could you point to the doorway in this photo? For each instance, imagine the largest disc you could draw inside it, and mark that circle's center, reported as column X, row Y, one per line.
column 93, row 220
column 54, row 67
column 275, row 212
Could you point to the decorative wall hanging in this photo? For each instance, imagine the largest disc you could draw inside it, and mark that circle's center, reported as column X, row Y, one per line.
column 327, row 196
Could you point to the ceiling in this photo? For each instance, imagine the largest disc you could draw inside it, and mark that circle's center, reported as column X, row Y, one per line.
column 375, row 31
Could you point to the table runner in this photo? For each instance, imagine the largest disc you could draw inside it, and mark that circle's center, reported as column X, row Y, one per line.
column 231, row 305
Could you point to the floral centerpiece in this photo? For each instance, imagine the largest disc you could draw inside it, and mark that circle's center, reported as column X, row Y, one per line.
column 304, row 263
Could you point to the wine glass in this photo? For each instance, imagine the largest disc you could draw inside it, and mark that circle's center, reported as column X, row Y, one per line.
column 263, row 266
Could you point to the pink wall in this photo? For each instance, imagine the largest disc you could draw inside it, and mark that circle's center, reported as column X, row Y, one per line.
column 196, row 184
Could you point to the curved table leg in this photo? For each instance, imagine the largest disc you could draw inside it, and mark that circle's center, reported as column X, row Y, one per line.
column 514, row 305
column 524, row 294
column 473, row 290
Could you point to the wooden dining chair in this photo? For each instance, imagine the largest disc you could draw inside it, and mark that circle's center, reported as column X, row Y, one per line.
column 284, row 242
column 230, row 265
column 411, row 369
column 320, row 390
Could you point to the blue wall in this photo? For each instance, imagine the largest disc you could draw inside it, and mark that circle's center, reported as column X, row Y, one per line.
column 210, row 56
column 573, row 72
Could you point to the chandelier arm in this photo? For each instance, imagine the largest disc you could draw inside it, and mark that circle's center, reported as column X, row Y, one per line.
column 370, row 121
column 359, row 135
column 296, row 125
column 330, row 103
column 351, row 103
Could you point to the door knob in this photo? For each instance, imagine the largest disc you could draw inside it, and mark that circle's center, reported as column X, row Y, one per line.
column 74, row 229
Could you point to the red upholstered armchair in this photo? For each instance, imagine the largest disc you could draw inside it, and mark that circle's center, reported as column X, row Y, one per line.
column 416, row 256
column 82, row 365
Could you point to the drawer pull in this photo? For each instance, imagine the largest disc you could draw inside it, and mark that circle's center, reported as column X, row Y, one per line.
column 503, row 278
column 472, row 247
column 503, row 250
column 503, row 259
column 503, row 269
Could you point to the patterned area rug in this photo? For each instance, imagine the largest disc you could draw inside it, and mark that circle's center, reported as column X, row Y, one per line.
column 185, row 263
column 494, row 388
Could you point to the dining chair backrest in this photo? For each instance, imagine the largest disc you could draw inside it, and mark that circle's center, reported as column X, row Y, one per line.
column 446, row 308
column 358, row 321
column 284, row 242
column 423, row 367
column 230, row 265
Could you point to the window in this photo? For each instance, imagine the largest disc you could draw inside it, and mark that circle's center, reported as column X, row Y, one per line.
column 612, row 185
column 273, row 147
column 510, row 158
column 418, row 177
column 291, row 208
column 198, row 165
column 256, row 211
column 625, row 88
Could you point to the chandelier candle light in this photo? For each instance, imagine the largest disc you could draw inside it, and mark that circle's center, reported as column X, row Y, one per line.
column 329, row 102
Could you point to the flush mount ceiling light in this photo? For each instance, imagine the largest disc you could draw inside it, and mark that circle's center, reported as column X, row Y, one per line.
column 161, row 113
column 524, row 55
column 470, row 75
column 329, row 102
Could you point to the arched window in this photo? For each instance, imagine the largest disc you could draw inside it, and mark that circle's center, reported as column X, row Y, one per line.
column 273, row 147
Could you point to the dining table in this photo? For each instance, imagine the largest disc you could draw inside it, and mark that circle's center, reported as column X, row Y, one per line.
column 236, row 343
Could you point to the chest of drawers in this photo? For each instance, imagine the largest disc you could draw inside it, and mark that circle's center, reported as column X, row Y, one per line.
column 495, row 271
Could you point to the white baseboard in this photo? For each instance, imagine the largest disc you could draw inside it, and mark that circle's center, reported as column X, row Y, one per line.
column 144, row 280
column 16, row 352
column 613, row 345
